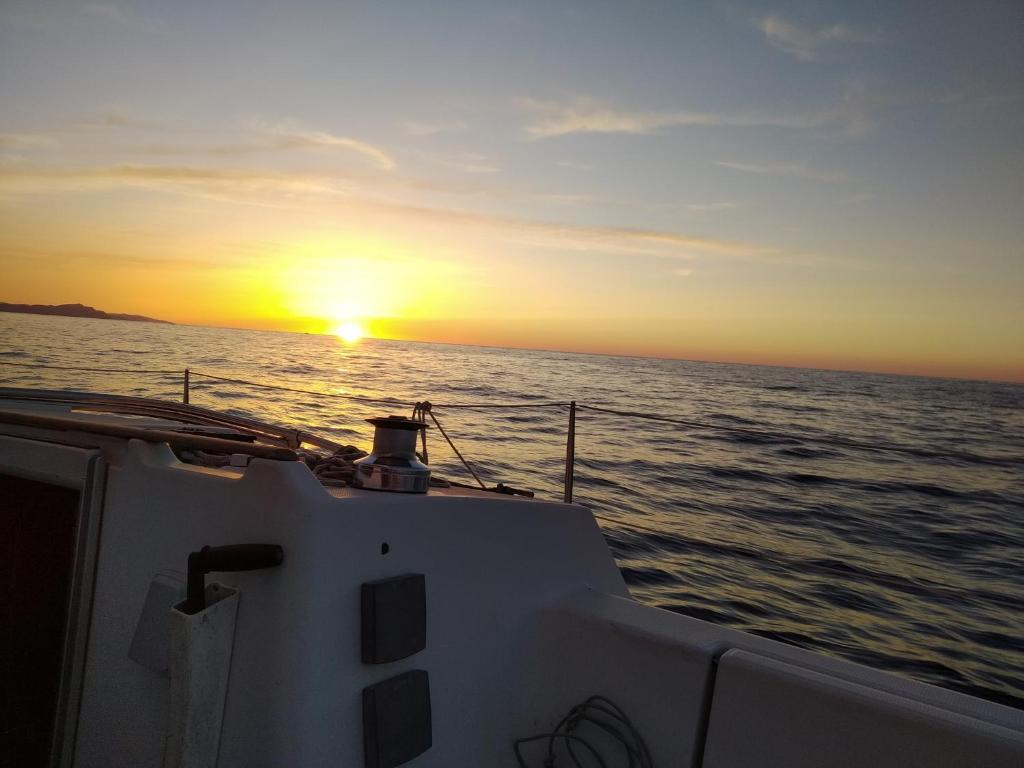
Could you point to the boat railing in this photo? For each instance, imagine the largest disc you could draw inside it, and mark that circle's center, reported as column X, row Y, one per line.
column 421, row 410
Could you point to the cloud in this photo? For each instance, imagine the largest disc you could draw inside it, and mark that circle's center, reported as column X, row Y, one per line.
column 107, row 12
column 119, row 116
column 466, row 162
column 281, row 139
column 707, row 207
column 260, row 137
column 112, row 13
column 805, row 42
column 783, row 169
column 251, row 187
column 567, row 198
column 851, row 114
column 51, row 257
column 24, row 141
column 432, row 127
column 682, row 272
column 245, row 186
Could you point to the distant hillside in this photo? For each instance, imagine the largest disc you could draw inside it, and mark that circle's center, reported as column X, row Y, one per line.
column 74, row 310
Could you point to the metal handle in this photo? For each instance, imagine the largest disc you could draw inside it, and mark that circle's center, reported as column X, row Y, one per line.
column 230, row 558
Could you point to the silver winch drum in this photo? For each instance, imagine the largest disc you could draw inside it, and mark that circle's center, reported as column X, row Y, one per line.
column 393, row 464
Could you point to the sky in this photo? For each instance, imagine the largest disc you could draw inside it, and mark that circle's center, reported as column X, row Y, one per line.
column 835, row 185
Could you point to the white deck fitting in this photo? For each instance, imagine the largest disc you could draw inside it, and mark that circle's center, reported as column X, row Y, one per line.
column 527, row 614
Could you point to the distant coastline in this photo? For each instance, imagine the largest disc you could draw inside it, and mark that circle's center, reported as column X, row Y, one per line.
column 75, row 310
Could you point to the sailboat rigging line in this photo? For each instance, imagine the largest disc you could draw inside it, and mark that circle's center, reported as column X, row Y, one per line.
column 696, row 425
column 828, row 439
column 457, row 453
column 89, row 370
column 357, row 398
column 501, row 405
column 631, row 524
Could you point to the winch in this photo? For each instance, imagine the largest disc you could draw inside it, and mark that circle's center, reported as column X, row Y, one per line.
column 393, row 464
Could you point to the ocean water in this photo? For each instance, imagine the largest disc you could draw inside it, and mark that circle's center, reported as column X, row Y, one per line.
column 875, row 518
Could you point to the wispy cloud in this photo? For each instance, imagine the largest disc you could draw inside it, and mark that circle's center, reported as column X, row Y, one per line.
column 106, row 11
column 851, row 114
column 567, row 198
column 708, row 207
column 574, row 165
column 860, row 197
column 285, row 138
column 805, row 42
column 323, row 193
column 611, row 239
column 256, row 137
column 24, row 140
column 231, row 184
column 682, row 272
column 783, row 169
column 432, row 127
column 279, row 139
column 119, row 116
column 466, row 162
column 119, row 15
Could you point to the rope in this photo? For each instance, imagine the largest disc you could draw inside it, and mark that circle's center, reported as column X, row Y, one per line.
column 357, row 398
column 87, row 370
column 501, row 405
column 461, row 457
column 373, row 401
column 419, row 413
column 613, row 721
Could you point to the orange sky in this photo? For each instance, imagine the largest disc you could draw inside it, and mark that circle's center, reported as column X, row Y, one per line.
column 858, row 207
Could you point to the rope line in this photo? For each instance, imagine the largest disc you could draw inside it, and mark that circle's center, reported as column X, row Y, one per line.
column 357, row 398
column 612, row 721
column 500, row 405
column 630, row 524
column 374, row 401
column 826, row 439
column 457, row 453
column 245, row 382
column 87, row 370
column 829, row 440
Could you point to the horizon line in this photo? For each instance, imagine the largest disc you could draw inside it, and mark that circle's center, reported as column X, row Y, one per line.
column 864, row 372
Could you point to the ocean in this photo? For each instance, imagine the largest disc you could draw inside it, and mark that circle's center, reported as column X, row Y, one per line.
column 871, row 517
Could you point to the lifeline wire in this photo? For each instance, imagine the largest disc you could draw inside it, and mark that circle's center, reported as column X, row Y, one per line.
column 374, row 401
column 87, row 370
column 831, row 440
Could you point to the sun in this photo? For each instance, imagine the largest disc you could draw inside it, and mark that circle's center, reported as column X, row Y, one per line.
column 349, row 332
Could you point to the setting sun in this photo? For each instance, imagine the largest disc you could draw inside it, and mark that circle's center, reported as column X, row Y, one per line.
column 349, row 332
